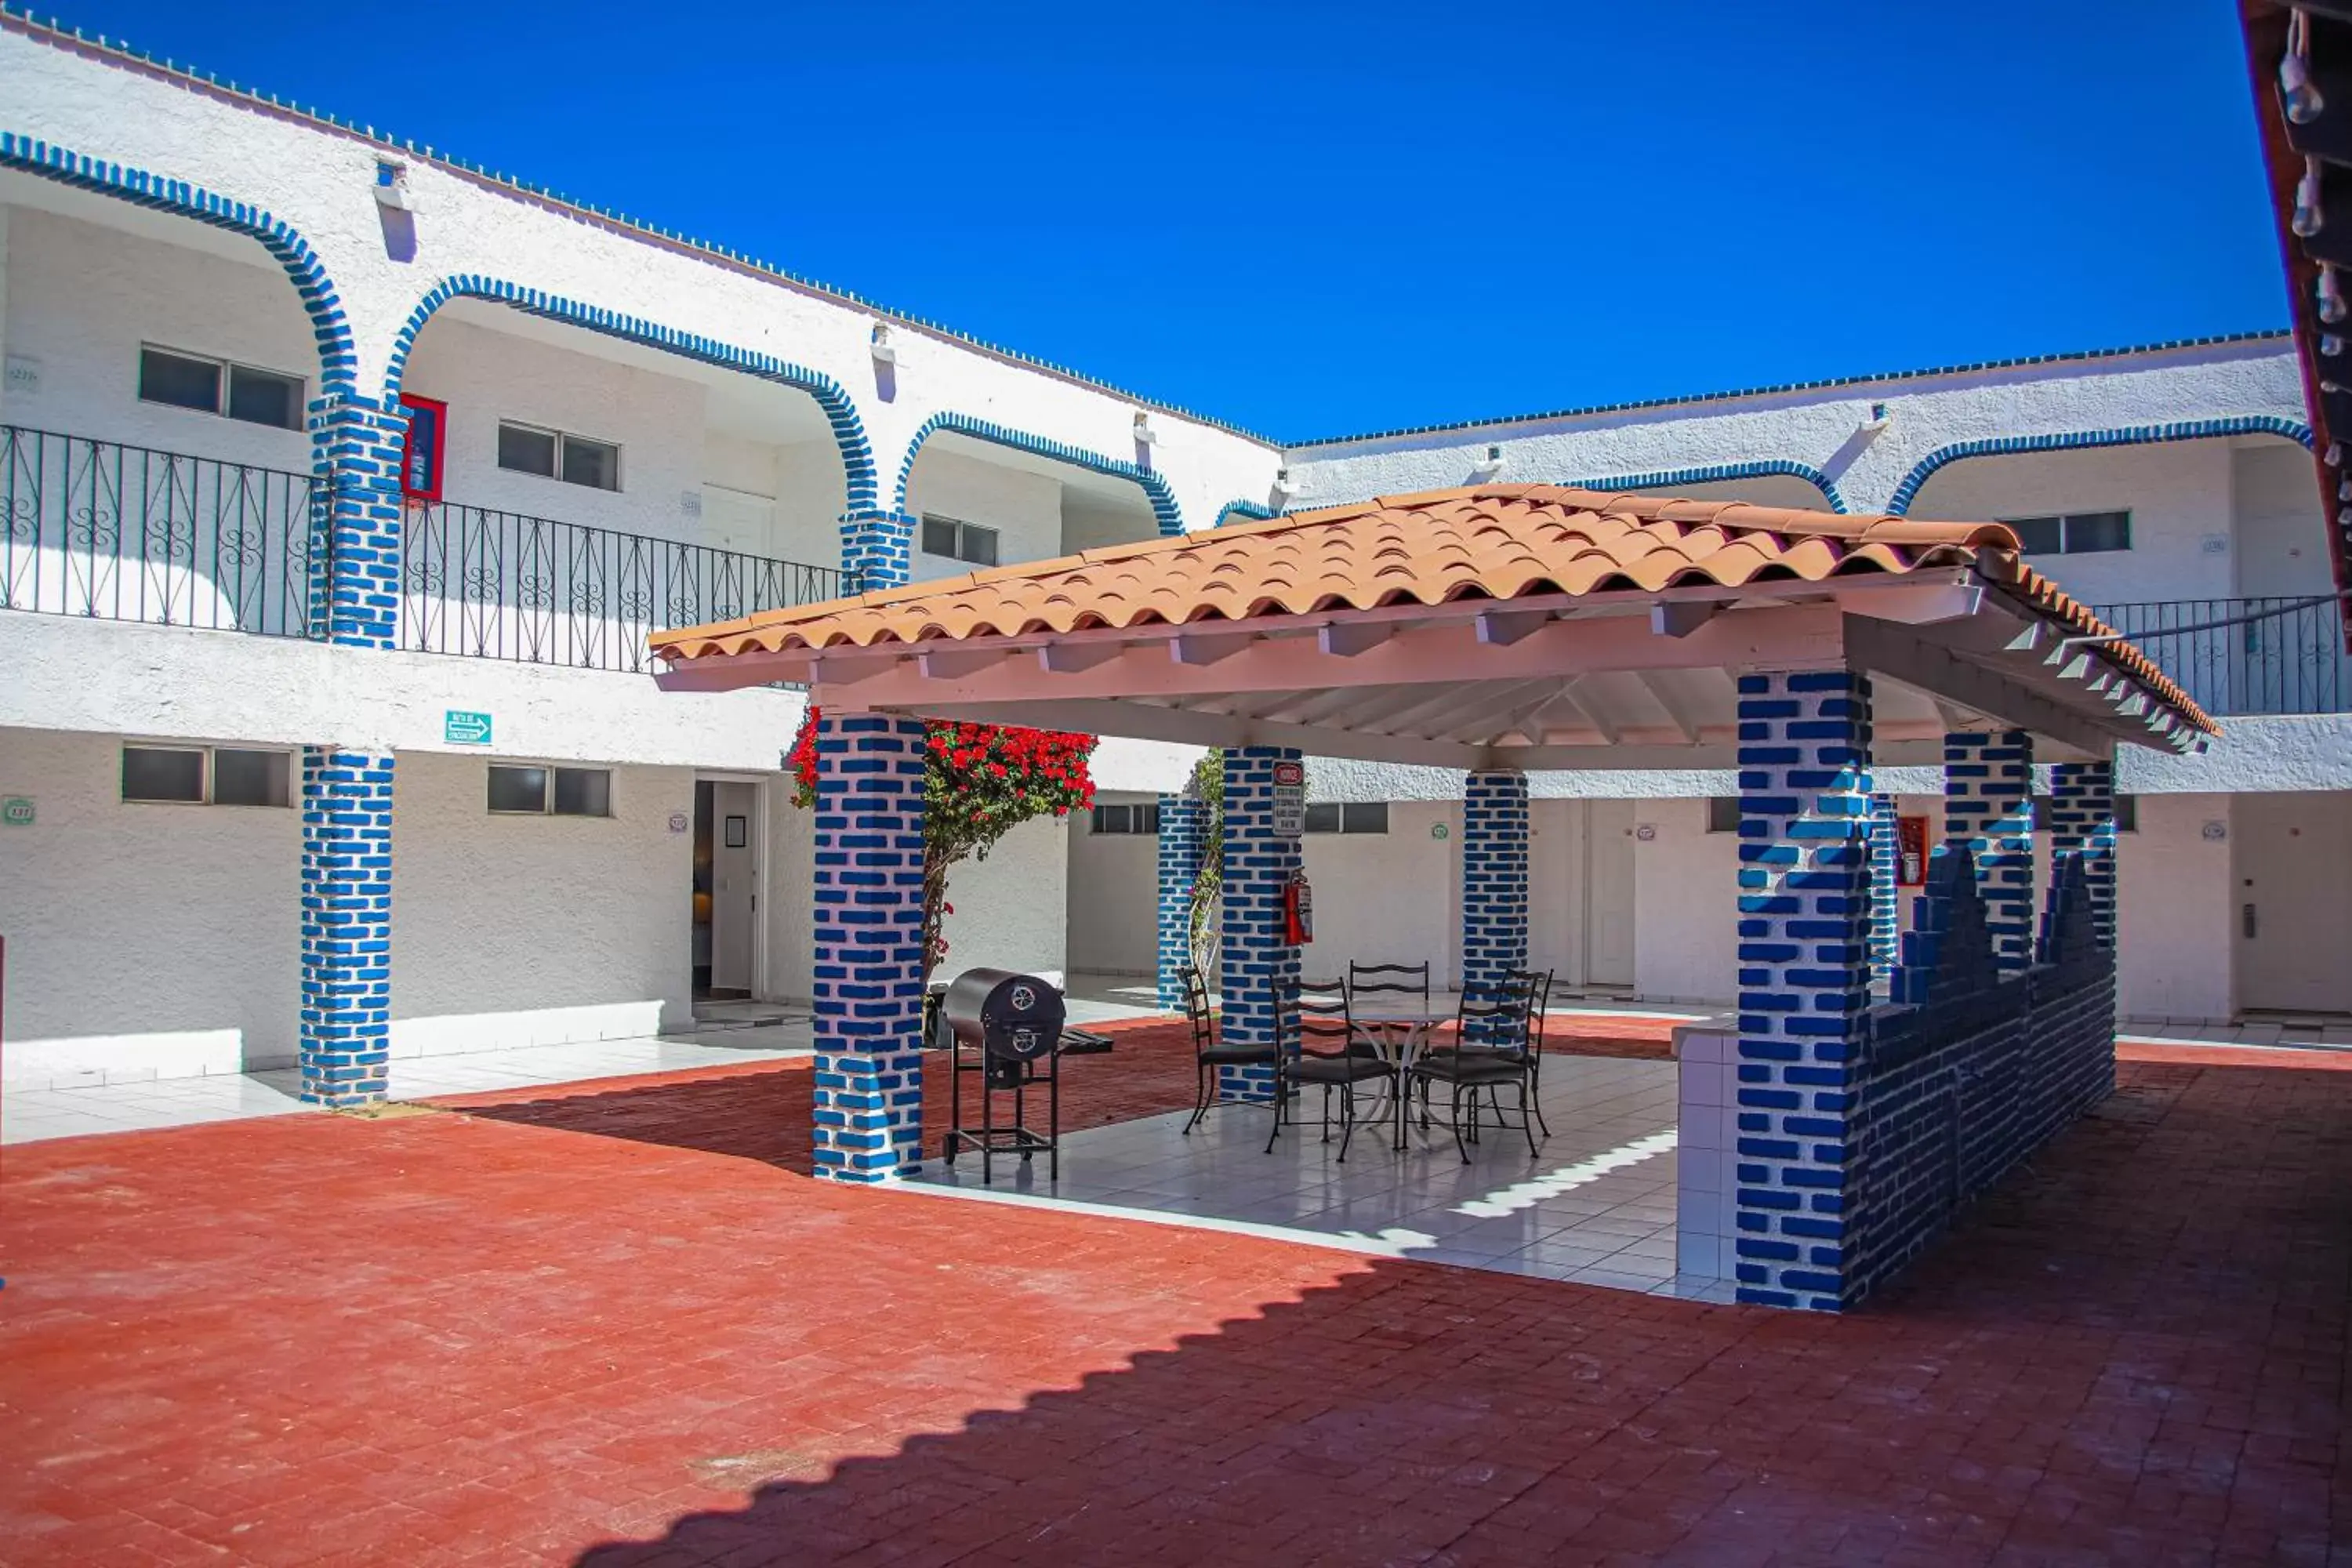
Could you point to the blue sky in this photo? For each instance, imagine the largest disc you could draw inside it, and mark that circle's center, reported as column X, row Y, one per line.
column 1321, row 219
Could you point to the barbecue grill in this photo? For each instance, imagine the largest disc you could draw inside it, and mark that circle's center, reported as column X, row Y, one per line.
column 1010, row 1030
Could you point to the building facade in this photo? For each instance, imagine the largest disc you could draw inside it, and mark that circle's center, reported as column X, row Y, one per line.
column 344, row 481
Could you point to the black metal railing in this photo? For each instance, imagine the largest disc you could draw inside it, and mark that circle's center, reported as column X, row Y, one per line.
column 2292, row 661
column 117, row 532
column 499, row 584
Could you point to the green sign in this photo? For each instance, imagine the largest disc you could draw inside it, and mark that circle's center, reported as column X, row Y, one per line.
column 459, row 727
column 16, row 811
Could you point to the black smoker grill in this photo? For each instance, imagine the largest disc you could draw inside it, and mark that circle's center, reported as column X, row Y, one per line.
column 1009, row 1029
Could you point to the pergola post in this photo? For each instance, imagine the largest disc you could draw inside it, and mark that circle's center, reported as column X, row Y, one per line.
column 1884, row 925
column 1804, row 982
column 1181, row 832
column 1493, row 878
column 2083, row 825
column 1989, row 806
column 868, row 1110
column 1254, row 963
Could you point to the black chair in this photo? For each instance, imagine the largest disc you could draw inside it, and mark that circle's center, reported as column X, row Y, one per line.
column 1386, row 984
column 1493, row 1027
column 1208, row 1056
column 1319, row 1045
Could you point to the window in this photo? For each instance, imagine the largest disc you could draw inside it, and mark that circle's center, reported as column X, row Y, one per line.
column 206, row 775
column 533, row 790
column 1354, row 816
column 1722, row 814
column 2075, row 533
column 187, row 381
column 1144, row 819
column 552, row 454
column 958, row 541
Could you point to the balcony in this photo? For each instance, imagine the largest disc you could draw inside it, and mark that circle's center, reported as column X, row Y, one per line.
column 2290, row 662
column 109, row 531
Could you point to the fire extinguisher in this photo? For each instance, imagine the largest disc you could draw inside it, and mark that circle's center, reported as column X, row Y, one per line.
column 1297, row 910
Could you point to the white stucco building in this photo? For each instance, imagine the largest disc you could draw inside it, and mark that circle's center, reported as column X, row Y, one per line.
column 216, row 310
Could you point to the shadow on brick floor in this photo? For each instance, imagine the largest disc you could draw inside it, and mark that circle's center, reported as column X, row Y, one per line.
column 2133, row 1352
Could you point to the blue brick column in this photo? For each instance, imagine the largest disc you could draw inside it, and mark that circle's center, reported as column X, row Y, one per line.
column 345, row 1028
column 1493, row 878
column 1181, row 830
column 1804, row 982
column 2082, row 825
column 1989, row 805
column 356, row 523
column 1884, row 924
column 867, row 1114
column 1253, row 959
column 878, row 551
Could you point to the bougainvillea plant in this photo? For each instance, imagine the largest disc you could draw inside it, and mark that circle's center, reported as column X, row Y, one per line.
column 980, row 783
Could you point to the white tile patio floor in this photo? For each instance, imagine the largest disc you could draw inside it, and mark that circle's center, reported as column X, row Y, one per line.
column 1595, row 1206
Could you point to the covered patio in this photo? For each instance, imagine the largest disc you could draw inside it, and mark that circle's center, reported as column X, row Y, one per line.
column 1861, row 1094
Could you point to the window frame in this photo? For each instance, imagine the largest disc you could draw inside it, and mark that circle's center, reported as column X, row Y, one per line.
column 207, row 776
column 225, row 374
column 561, row 441
column 963, row 530
column 1143, row 818
column 2065, row 523
column 1339, row 814
column 547, row 790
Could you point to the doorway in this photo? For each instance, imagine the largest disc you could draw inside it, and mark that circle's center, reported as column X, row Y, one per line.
column 2292, row 856
column 1580, row 893
column 725, row 900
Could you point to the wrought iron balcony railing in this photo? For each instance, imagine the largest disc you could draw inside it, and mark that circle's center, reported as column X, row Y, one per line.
column 498, row 584
column 110, row 531
column 2292, row 661
column 128, row 533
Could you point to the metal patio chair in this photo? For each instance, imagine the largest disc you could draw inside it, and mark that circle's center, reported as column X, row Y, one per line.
column 1208, row 1056
column 1317, row 1045
column 1495, row 1026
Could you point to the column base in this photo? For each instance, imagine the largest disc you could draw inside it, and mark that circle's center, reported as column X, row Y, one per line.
column 866, row 1112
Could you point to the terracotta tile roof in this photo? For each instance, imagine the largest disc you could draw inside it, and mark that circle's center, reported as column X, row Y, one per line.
column 1487, row 542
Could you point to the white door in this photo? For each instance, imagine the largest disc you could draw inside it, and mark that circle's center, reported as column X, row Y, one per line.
column 1555, row 888
column 740, row 521
column 1609, row 892
column 2292, row 858
column 734, row 883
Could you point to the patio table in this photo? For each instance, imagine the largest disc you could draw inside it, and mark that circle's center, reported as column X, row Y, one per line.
column 1400, row 1031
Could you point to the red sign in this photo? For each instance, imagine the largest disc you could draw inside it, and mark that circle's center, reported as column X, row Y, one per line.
column 1911, row 851
column 420, row 452
column 1290, row 774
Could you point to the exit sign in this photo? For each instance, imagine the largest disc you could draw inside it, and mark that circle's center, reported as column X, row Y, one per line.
column 459, row 727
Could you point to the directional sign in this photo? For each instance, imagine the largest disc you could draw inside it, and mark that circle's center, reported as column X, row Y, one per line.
column 459, row 727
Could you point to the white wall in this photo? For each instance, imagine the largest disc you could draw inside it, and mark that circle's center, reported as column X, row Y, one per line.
column 143, row 940
column 1113, row 896
column 2173, row 911
column 2179, row 496
column 511, row 930
column 82, row 300
column 1391, row 897
column 1024, row 509
column 1010, row 908
column 1686, row 905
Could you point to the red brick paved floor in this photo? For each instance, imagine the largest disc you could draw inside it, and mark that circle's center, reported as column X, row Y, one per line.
column 448, row 1338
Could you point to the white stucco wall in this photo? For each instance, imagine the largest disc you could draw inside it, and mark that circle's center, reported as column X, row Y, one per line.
column 1010, row 908
column 1114, row 897
column 512, row 931
column 2173, row 908
column 1686, row 905
column 1024, row 509
column 81, row 301
column 1823, row 427
column 143, row 940
column 1392, row 898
